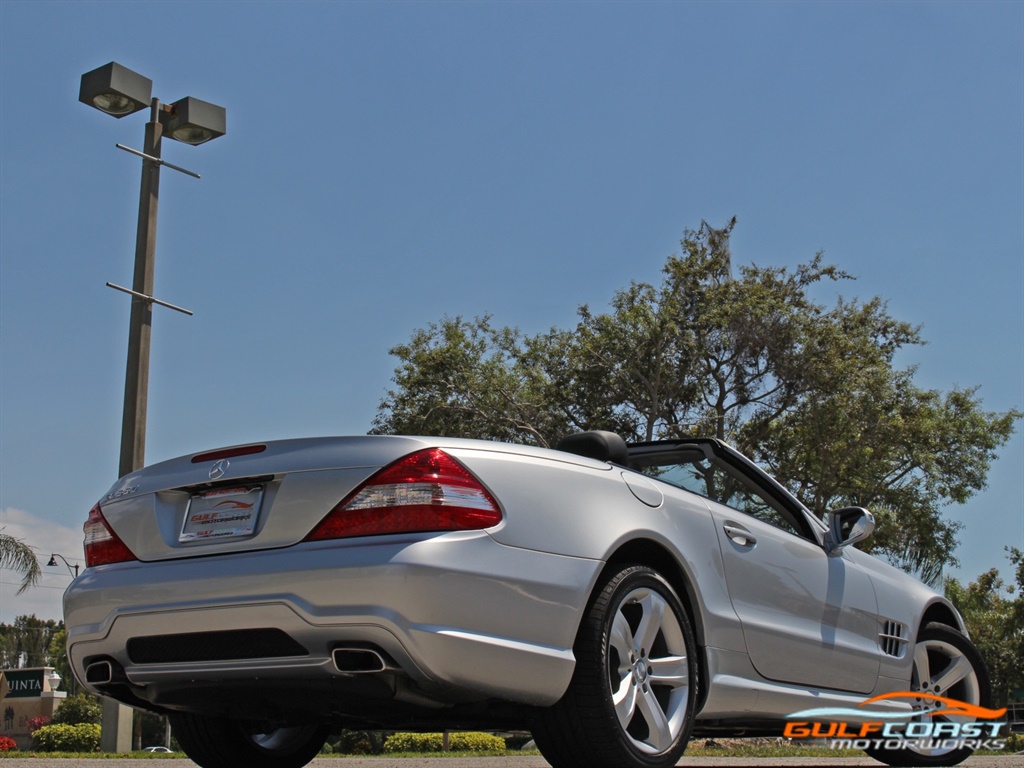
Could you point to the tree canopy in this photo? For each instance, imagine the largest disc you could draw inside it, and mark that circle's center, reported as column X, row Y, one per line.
column 813, row 392
column 994, row 613
column 28, row 642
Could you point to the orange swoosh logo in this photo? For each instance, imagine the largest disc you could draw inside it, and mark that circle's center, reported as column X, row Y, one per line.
column 233, row 505
column 954, row 707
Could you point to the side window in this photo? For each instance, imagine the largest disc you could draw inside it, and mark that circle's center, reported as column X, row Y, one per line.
column 740, row 495
column 713, row 479
column 692, row 473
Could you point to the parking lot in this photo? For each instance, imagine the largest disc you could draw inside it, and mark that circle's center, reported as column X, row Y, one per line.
column 998, row 761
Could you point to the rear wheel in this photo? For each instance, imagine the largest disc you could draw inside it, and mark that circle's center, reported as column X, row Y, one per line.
column 631, row 700
column 945, row 664
column 217, row 742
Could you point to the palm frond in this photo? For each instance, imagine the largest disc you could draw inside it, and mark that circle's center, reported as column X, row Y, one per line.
column 19, row 556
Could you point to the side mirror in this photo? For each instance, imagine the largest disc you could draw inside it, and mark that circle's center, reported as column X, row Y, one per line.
column 847, row 526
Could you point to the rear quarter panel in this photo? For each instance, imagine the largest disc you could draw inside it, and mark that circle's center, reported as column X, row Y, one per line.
column 569, row 505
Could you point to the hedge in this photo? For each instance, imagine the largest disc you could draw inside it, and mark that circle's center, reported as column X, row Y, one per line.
column 84, row 737
column 434, row 742
column 78, row 709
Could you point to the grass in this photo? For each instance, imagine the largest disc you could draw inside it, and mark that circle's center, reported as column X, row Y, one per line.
column 15, row 753
column 696, row 749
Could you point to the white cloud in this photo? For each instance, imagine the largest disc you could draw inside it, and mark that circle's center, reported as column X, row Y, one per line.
column 45, row 537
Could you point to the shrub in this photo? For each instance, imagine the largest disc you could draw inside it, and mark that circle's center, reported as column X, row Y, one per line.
column 1014, row 743
column 434, row 742
column 477, row 742
column 413, row 742
column 7, row 744
column 37, row 722
column 84, row 737
column 78, row 709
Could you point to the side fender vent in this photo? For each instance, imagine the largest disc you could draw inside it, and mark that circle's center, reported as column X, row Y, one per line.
column 893, row 639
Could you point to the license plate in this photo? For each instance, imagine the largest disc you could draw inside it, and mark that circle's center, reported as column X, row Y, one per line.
column 224, row 513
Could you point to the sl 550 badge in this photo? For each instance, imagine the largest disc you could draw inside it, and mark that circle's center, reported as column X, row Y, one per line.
column 121, row 492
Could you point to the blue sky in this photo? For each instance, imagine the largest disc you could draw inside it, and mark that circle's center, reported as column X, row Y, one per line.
column 387, row 164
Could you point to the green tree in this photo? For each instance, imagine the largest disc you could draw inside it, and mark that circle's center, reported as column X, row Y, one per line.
column 78, row 709
column 58, row 656
column 27, row 642
column 467, row 379
column 744, row 354
column 19, row 556
column 709, row 351
column 994, row 613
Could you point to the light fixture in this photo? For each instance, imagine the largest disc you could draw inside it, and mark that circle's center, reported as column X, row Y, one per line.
column 119, row 91
column 116, row 90
column 194, row 121
column 53, row 564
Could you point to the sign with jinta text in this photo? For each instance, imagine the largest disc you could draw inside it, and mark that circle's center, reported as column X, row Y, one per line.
column 24, row 683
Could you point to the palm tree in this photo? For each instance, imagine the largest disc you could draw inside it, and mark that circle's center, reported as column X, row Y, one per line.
column 19, row 556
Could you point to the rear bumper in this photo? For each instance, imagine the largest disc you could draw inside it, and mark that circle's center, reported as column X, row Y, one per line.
column 457, row 616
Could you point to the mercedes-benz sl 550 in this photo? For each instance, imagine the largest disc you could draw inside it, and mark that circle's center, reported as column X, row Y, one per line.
column 613, row 599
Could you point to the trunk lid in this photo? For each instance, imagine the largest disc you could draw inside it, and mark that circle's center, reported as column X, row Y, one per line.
column 256, row 496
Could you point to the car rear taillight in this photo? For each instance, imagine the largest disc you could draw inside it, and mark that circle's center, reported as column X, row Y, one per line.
column 424, row 491
column 102, row 545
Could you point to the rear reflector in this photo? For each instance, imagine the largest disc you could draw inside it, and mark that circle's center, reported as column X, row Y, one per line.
column 424, row 491
column 102, row 545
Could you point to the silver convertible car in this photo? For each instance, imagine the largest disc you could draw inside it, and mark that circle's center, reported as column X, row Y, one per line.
column 613, row 599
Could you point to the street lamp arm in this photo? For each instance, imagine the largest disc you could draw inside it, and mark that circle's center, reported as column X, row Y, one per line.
column 53, row 563
column 149, row 299
column 159, row 161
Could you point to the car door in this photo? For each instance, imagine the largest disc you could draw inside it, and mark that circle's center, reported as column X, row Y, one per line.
column 807, row 618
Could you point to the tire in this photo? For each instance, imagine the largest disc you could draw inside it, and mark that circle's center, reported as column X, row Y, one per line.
column 947, row 664
column 631, row 700
column 217, row 742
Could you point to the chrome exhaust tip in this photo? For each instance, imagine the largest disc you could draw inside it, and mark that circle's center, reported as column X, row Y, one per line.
column 99, row 673
column 358, row 660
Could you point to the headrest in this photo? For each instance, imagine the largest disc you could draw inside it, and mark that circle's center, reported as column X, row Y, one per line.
column 596, row 444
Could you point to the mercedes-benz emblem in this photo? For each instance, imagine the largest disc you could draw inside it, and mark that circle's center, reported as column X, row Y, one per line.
column 219, row 468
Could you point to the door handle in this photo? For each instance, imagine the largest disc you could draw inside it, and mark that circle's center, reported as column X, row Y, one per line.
column 739, row 534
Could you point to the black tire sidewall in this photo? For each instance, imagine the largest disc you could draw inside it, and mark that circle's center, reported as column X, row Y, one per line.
column 583, row 728
column 945, row 634
column 628, row 580
column 215, row 742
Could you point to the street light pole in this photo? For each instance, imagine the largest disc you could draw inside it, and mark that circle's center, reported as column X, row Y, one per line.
column 119, row 92
column 140, row 324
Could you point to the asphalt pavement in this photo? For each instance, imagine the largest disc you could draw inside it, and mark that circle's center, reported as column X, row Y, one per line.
column 998, row 761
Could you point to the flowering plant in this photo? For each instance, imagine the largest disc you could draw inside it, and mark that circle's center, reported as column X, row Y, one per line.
column 37, row 722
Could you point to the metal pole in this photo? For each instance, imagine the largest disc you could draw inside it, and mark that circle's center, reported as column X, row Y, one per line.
column 136, row 380
column 116, row 734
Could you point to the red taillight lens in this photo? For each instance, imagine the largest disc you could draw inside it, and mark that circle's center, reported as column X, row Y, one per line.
column 424, row 491
column 102, row 545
